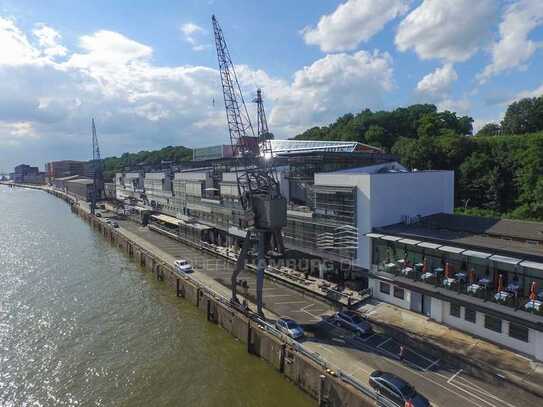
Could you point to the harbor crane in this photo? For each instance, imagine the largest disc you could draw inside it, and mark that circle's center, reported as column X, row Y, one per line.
column 262, row 123
column 97, row 170
column 258, row 186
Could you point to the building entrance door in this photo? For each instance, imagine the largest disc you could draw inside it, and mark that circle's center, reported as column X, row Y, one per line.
column 416, row 302
column 427, row 305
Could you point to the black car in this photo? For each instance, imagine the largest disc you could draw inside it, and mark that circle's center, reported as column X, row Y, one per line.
column 396, row 390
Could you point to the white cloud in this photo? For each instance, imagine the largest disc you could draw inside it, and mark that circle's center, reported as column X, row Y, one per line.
column 16, row 49
column 49, row 39
column 16, row 133
column 460, row 106
column 139, row 105
column 514, row 48
column 191, row 28
column 533, row 93
column 438, row 83
column 353, row 22
column 452, row 30
column 191, row 33
column 331, row 86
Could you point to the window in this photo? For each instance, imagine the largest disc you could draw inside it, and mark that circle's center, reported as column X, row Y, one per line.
column 455, row 310
column 494, row 324
column 399, row 292
column 384, row 288
column 518, row 332
column 470, row 315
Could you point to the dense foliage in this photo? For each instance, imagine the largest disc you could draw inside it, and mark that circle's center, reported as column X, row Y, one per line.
column 145, row 158
column 499, row 172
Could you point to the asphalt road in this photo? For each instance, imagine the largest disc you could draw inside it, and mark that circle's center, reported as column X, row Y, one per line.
column 356, row 356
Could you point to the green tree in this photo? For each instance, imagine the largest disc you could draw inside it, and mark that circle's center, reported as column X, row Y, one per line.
column 376, row 136
column 490, row 129
column 524, row 116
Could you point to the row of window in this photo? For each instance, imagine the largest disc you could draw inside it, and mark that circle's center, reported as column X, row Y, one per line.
column 398, row 291
column 492, row 323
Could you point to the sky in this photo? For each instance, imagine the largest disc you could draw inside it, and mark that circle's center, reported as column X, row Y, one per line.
column 147, row 70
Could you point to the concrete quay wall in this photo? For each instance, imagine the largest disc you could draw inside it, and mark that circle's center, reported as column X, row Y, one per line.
column 286, row 356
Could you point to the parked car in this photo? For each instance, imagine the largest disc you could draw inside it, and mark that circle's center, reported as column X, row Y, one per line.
column 397, row 390
column 115, row 224
column 353, row 322
column 183, row 266
column 108, row 221
column 289, row 327
column 98, row 215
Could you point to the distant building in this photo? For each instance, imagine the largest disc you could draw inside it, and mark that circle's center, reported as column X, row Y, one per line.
column 27, row 174
column 212, row 152
column 60, row 183
column 129, row 185
column 66, row 168
column 158, row 189
column 110, row 190
column 82, row 188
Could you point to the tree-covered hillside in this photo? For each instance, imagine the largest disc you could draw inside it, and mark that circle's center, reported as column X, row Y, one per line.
column 175, row 154
column 498, row 172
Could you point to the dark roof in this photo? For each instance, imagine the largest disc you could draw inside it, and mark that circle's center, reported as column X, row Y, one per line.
column 510, row 237
column 494, row 227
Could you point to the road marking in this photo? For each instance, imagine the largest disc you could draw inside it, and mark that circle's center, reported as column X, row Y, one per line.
column 385, row 341
column 421, row 356
column 277, row 295
column 290, row 302
column 454, row 375
column 365, row 339
column 475, row 388
column 431, row 365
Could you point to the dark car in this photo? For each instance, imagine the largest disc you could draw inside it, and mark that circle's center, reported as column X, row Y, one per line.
column 353, row 322
column 396, row 390
column 98, row 215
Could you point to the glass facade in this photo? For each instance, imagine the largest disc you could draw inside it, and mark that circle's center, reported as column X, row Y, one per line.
column 504, row 280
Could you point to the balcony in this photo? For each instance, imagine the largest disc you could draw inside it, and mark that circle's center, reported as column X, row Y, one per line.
column 519, row 294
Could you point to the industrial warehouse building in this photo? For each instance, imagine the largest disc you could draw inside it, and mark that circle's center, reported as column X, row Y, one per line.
column 81, row 188
column 354, row 209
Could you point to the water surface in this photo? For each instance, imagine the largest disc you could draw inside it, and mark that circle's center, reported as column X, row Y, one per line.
column 83, row 325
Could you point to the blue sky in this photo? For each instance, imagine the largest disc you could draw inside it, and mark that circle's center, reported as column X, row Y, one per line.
column 147, row 69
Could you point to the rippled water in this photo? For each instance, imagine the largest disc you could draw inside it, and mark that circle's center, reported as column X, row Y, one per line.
column 80, row 324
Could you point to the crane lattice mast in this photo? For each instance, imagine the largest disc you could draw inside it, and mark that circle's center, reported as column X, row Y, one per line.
column 96, row 168
column 256, row 178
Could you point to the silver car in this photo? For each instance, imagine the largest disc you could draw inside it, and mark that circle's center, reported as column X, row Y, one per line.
column 353, row 322
column 289, row 327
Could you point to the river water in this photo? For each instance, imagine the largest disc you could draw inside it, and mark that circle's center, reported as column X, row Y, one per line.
column 82, row 325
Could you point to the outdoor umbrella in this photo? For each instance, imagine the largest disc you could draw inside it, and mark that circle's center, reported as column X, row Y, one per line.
column 471, row 276
column 533, row 294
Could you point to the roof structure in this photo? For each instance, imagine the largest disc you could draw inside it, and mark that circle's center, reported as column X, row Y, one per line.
column 71, row 177
column 84, row 181
column 282, row 147
column 517, row 238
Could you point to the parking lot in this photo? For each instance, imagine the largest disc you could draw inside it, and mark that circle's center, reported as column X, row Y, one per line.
column 279, row 299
